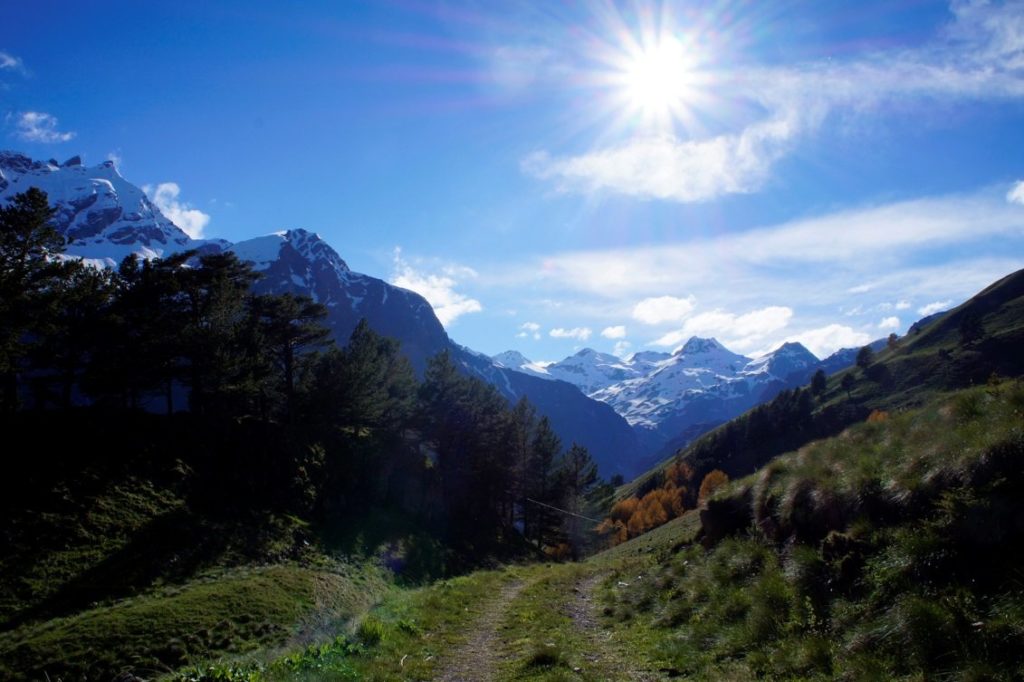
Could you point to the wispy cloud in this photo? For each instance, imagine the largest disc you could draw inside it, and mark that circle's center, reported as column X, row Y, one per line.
column 919, row 254
column 862, row 245
column 823, row 341
column 529, row 329
column 738, row 332
column 665, row 167
column 889, row 323
column 935, row 307
column 38, row 126
column 165, row 197
column 616, row 332
column 979, row 56
column 1016, row 193
column 8, row 62
column 661, row 309
column 438, row 289
column 579, row 333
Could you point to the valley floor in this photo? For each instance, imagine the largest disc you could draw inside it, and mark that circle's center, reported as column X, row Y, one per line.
column 537, row 622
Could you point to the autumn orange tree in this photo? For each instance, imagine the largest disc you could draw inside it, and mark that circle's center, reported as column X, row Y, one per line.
column 712, row 481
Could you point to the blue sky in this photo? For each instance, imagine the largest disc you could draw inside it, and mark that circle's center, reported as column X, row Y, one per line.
column 554, row 175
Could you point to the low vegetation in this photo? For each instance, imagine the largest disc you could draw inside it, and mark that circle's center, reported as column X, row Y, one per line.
column 891, row 551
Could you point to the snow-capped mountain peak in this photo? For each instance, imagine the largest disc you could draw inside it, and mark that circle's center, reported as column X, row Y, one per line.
column 788, row 358
column 696, row 345
column 103, row 216
column 591, row 370
column 292, row 245
column 514, row 360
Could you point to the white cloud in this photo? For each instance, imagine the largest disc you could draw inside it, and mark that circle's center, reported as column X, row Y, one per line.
column 889, row 323
column 978, row 57
column 826, row 340
column 439, row 290
column 936, row 307
column 616, row 332
column 657, row 310
column 528, row 329
column 165, row 197
column 1016, row 193
column 580, row 333
column 621, row 348
column 857, row 245
column 37, row 126
column 902, row 305
column 739, row 332
column 665, row 167
column 8, row 62
column 117, row 160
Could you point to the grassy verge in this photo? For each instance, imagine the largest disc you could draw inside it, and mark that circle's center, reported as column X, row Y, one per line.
column 224, row 614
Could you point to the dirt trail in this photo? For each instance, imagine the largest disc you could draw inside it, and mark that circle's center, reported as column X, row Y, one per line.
column 477, row 658
column 602, row 650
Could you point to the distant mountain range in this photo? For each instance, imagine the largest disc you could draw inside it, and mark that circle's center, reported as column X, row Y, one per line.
column 105, row 218
column 671, row 398
column 627, row 412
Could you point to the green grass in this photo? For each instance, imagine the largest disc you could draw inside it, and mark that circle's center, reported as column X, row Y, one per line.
column 890, row 552
column 50, row 548
column 225, row 614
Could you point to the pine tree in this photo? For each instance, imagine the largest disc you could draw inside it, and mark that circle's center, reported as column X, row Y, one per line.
column 70, row 334
column 819, row 382
column 521, row 426
column 215, row 294
column 286, row 327
column 541, row 491
column 865, row 356
column 576, row 480
column 847, row 383
column 28, row 269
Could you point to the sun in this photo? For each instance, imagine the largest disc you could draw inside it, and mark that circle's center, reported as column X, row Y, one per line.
column 658, row 79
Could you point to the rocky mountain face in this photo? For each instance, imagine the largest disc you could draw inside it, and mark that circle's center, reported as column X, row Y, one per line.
column 106, row 218
column 103, row 216
column 672, row 398
column 300, row 262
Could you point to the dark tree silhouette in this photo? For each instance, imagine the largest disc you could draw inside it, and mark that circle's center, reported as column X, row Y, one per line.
column 847, row 383
column 28, row 271
column 865, row 356
column 819, row 382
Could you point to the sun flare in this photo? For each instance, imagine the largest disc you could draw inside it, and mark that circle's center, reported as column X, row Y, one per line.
column 656, row 77
column 659, row 79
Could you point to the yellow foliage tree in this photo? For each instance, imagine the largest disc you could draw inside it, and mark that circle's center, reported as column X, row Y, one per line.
column 713, row 481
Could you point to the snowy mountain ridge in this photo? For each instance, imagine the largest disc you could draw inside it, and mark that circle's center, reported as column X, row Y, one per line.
column 661, row 394
column 105, row 218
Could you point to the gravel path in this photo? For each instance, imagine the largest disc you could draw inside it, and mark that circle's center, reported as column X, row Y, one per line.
column 476, row 659
column 603, row 651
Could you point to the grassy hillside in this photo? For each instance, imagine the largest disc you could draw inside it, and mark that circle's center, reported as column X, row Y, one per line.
column 922, row 365
column 889, row 552
column 118, row 561
column 892, row 551
column 220, row 613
